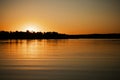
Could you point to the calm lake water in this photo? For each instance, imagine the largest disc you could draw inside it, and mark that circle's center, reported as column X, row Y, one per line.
column 64, row 59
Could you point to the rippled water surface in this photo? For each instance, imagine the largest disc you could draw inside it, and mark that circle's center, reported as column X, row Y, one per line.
column 64, row 59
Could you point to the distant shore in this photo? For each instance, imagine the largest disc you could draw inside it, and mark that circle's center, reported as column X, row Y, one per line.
column 54, row 35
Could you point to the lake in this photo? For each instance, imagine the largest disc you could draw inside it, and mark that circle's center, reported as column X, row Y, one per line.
column 60, row 59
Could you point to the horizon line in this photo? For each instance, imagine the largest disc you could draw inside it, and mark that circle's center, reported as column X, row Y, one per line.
column 57, row 32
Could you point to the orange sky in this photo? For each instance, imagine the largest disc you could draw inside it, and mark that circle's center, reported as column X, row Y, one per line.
column 65, row 16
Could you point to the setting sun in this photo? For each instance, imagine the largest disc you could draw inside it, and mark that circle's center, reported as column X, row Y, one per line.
column 32, row 27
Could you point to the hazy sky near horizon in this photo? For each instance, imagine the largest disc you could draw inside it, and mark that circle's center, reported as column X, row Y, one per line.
column 66, row 16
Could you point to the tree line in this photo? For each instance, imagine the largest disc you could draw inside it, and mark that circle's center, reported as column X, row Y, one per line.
column 53, row 35
column 31, row 35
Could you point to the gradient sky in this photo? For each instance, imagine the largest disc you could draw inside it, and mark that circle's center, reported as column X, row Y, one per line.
column 65, row 16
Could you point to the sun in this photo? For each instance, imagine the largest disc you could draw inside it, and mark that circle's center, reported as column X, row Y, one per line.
column 32, row 27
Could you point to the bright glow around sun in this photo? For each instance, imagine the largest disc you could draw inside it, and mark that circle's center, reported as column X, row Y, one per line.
column 32, row 27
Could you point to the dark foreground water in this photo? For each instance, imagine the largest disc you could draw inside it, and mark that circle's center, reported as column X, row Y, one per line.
column 67, row 59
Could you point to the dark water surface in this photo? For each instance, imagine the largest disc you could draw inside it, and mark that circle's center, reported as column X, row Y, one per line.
column 65, row 59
